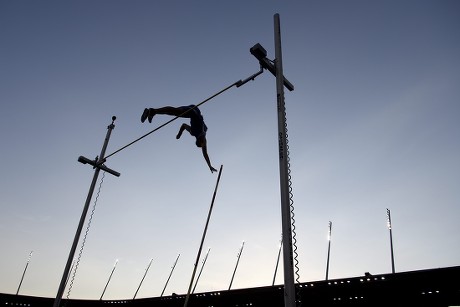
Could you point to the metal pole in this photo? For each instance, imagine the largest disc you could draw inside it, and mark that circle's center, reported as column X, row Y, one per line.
column 62, row 285
column 202, row 238
column 236, row 266
column 278, row 260
column 142, row 280
column 201, row 270
column 24, row 273
column 328, row 249
column 110, row 277
column 288, row 258
column 175, row 262
column 391, row 241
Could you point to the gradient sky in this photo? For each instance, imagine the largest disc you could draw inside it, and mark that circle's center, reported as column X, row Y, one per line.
column 373, row 124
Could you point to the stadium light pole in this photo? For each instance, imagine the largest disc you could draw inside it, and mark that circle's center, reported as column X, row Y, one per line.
column 236, row 266
column 143, row 277
column 277, row 260
column 391, row 240
column 110, row 277
column 24, row 273
column 170, row 274
column 201, row 270
column 328, row 249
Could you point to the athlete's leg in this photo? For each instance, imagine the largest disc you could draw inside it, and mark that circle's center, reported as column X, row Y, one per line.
column 181, row 129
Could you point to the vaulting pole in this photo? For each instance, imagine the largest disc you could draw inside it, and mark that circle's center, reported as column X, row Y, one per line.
column 98, row 165
column 202, row 239
column 288, row 257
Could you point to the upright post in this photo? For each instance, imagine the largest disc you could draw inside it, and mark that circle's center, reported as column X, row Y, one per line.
column 328, row 249
column 110, row 277
column 236, row 266
column 391, row 241
column 202, row 238
column 288, row 258
column 172, row 269
column 277, row 260
column 201, row 270
column 143, row 277
column 98, row 165
column 24, row 273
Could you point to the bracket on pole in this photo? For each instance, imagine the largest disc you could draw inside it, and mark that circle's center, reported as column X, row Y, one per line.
column 261, row 54
column 99, row 164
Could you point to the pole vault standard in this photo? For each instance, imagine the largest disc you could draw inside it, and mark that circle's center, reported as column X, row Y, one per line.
column 202, row 238
column 288, row 258
column 98, row 165
column 277, row 70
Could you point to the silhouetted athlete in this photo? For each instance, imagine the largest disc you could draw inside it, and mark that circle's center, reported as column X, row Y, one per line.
column 197, row 127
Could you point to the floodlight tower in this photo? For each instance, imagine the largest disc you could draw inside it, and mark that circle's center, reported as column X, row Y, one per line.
column 391, row 241
column 277, row 70
column 328, row 249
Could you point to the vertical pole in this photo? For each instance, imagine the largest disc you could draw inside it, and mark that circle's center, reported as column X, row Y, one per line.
column 277, row 260
column 288, row 258
column 328, row 249
column 110, row 277
column 202, row 238
column 63, row 283
column 391, row 241
column 143, row 277
column 201, row 270
column 68, row 276
column 24, row 273
column 172, row 269
column 236, row 266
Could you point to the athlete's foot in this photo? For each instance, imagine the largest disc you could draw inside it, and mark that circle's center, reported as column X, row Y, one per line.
column 151, row 113
column 144, row 115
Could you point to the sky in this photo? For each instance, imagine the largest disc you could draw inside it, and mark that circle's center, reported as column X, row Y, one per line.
column 373, row 123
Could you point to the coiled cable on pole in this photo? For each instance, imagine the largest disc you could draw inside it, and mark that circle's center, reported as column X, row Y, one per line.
column 84, row 238
column 291, row 205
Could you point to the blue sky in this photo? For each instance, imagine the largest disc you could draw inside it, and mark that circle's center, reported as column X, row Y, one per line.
column 373, row 124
